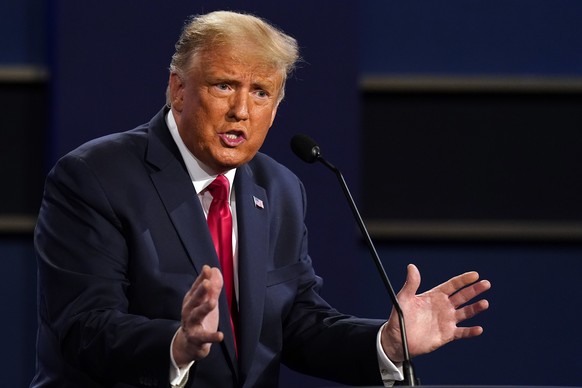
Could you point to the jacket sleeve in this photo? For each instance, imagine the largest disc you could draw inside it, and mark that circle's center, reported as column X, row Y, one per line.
column 83, row 283
column 319, row 340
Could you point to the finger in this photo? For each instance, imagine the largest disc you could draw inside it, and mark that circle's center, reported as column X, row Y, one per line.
column 200, row 337
column 201, row 302
column 466, row 294
column 468, row 332
column 205, row 273
column 215, row 283
column 204, row 300
column 471, row 310
column 412, row 282
column 190, row 345
column 208, row 283
column 458, row 282
column 197, row 343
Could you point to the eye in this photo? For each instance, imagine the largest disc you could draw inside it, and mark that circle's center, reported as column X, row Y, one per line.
column 221, row 88
column 262, row 94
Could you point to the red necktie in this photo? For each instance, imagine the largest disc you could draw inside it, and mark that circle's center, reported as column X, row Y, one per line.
column 220, row 225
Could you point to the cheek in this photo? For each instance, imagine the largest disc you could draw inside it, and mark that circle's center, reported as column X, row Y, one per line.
column 199, row 105
column 198, row 120
column 264, row 117
column 259, row 134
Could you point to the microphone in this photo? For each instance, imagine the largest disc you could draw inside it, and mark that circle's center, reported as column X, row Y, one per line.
column 307, row 150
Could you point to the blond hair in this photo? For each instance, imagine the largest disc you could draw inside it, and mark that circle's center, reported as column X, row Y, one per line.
column 204, row 32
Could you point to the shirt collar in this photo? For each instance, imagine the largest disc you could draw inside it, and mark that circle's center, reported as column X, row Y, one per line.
column 200, row 174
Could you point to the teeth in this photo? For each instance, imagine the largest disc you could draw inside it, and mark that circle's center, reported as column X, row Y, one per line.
column 231, row 136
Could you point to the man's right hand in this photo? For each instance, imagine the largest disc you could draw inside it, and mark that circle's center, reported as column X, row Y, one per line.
column 199, row 329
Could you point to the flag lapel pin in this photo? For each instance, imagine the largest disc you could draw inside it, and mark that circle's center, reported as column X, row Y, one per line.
column 258, row 203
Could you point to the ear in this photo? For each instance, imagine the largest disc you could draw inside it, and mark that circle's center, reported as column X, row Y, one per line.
column 176, row 92
column 274, row 113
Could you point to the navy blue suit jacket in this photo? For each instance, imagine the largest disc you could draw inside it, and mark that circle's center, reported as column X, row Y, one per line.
column 120, row 239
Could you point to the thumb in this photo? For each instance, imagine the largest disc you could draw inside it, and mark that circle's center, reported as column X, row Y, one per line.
column 412, row 282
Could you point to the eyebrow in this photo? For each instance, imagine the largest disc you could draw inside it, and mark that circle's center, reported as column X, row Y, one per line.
column 261, row 83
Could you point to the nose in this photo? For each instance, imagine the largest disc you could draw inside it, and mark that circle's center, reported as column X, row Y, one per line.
column 239, row 106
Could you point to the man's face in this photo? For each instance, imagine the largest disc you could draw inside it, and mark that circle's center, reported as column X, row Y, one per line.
column 225, row 105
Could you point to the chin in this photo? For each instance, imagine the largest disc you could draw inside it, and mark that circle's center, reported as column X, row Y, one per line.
column 224, row 165
column 233, row 161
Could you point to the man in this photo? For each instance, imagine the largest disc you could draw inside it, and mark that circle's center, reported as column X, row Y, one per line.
column 134, row 289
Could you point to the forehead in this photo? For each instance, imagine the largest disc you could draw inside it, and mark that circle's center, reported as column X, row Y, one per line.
column 236, row 61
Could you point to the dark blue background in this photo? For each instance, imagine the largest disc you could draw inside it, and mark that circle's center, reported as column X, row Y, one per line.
column 477, row 37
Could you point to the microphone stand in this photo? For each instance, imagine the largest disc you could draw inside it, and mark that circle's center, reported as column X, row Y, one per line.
column 407, row 367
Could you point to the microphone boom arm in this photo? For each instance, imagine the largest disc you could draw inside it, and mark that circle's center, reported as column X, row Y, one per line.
column 407, row 367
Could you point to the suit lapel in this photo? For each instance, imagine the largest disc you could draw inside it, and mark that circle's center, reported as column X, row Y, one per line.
column 178, row 195
column 252, row 219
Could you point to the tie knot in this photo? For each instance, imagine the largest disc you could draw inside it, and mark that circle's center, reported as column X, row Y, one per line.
column 219, row 188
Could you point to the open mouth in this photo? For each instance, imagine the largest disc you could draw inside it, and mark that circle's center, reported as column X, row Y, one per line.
column 233, row 138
